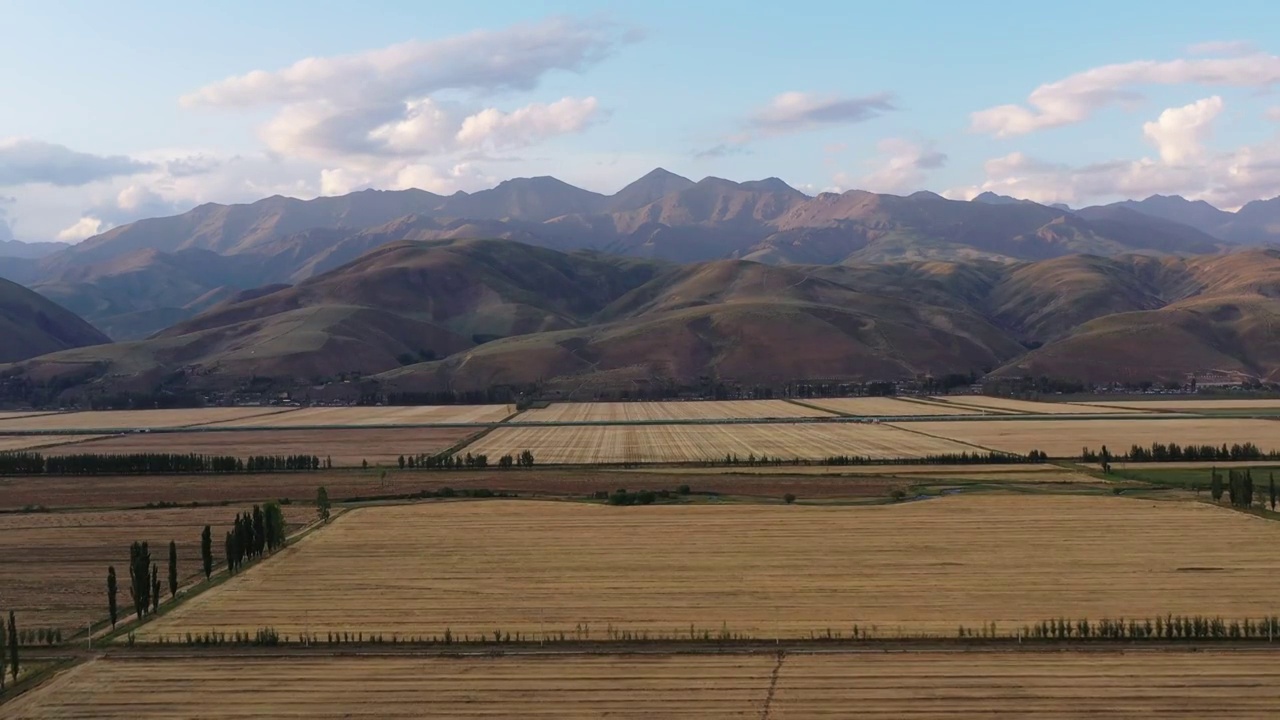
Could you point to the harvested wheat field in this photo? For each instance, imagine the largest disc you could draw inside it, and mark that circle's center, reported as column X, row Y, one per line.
column 926, row 566
column 787, row 469
column 347, row 448
column 379, row 415
column 1027, row 406
column 53, row 566
column 15, row 414
column 658, row 411
column 1066, row 438
column 133, row 419
column 9, row 443
column 927, row 686
column 591, row 444
column 889, row 407
column 1176, row 404
column 947, row 686
column 406, row 687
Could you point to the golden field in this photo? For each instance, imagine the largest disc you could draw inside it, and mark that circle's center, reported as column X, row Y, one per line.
column 657, row 411
column 9, row 443
column 378, row 415
column 890, row 407
column 917, row 567
column 694, row 443
column 880, row 686
column 1027, row 406
column 53, row 566
column 1065, row 438
column 133, row 419
column 1179, row 404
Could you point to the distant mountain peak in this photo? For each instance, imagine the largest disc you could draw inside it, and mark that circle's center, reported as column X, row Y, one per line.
column 655, row 184
column 769, row 184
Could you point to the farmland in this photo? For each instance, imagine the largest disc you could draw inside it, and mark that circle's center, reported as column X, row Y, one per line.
column 1027, row 406
column 131, row 419
column 377, row 415
column 56, row 563
column 347, row 447
column 623, row 412
column 36, row 442
column 525, row 566
column 890, row 407
column 693, row 443
column 1065, row 438
column 1184, row 404
column 927, row 686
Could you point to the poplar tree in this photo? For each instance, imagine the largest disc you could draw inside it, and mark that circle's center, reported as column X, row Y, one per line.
column 13, row 647
column 1273, row 492
column 322, row 504
column 139, row 587
column 112, row 590
column 206, row 551
column 155, row 588
column 4, row 644
column 173, row 569
column 230, row 552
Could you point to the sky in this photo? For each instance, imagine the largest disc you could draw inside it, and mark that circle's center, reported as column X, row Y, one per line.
column 117, row 111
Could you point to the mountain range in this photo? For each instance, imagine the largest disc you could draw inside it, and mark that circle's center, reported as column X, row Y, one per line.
column 141, row 278
column 539, row 283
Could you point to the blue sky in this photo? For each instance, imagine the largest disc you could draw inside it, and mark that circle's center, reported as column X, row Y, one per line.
column 119, row 111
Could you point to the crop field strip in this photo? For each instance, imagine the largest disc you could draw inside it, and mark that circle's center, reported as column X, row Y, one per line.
column 984, row 402
column 9, row 443
column 1066, row 437
column 589, row 444
column 346, row 446
column 890, row 407
column 378, row 415
column 1179, row 404
column 658, row 411
column 760, row 570
column 53, row 566
column 391, row 688
column 132, row 419
column 922, row 686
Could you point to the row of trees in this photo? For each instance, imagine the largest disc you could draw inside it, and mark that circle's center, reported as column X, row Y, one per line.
column 1172, row 452
column 9, row 639
column 463, row 462
column 33, row 463
column 253, row 535
column 964, row 458
column 1239, row 488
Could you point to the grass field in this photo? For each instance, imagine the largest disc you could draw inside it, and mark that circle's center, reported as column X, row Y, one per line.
column 1027, row 406
column 1065, row 438
column 926, row 566
column 651, row 411
column 889, row 407
column 55, row 564
column 690, row 443
column 347, row 447
column 377, row 415
column 921, row 686
column 133, row 419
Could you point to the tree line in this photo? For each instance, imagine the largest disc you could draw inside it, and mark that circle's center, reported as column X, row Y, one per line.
column 1172, row 452
column 1239, row 488
column 463, row 462
column 34, row 463
column 253, row 535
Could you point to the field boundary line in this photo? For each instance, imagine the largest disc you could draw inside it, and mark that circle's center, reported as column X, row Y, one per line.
column 943, row 437
column 773, row 686
column 828, row 411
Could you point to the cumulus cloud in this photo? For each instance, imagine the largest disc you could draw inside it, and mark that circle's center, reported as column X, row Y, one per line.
column 793, row 111
column 512, row 58
column 384, row 103
column 1179, row 133
column 26, row 161
column 901, row 166
column 1077, row 97
column 85, row 227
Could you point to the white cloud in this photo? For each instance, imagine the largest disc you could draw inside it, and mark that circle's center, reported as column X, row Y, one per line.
column 85, row 227
column 1179, row 133
column 529, row 125
column 793, row 111
column 384, row 104
column 900, row 167
column 26, row 161
column 512, row 58
column 462, row 176
column 1075, row 98
column 1273, row 114
column 1222, row 47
